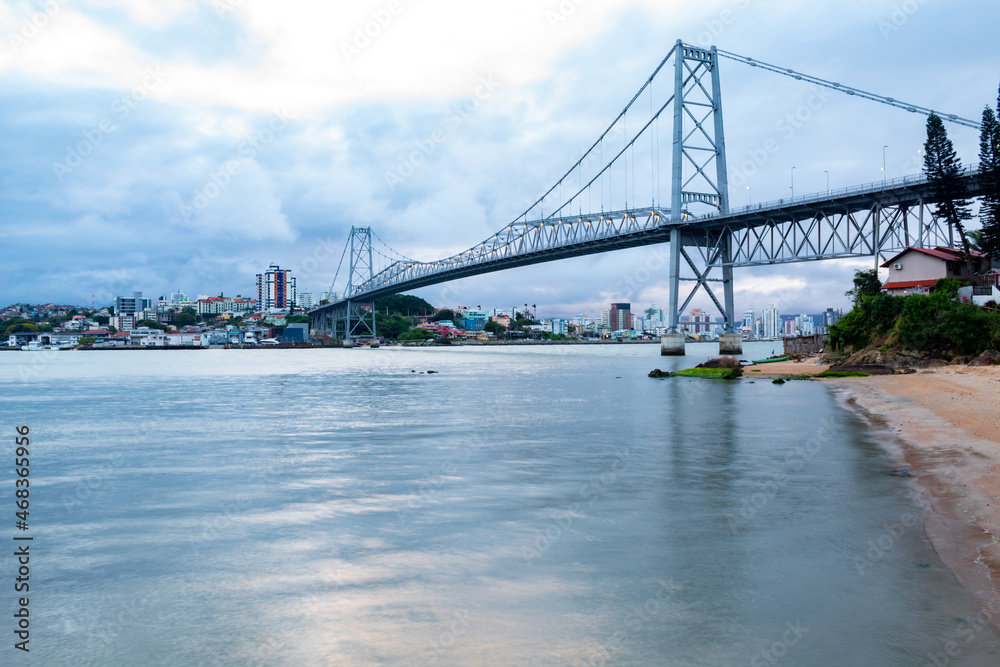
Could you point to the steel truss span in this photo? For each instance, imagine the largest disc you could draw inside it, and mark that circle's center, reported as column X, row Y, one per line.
column 704, row 234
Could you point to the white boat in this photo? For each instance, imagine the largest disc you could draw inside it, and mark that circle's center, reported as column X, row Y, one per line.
column 34, row 346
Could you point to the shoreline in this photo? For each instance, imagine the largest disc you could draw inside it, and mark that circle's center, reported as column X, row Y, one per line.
column 943, row 427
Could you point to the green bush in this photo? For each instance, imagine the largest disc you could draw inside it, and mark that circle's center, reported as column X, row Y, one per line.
column 933, row 323
column 871, row 318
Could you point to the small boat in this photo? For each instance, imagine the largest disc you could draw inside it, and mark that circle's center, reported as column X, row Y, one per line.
column 770, row 360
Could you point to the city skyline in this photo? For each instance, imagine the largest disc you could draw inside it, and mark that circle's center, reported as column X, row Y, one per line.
column 153, row 164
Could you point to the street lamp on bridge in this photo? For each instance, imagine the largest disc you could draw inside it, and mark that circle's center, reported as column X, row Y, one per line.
column 793, row 182
column 828, row 190
column 883, row 166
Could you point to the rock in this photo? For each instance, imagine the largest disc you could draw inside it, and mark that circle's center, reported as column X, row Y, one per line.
column 721, row 362
column 431, row 372
column 657, row 373
column 987, row 358
column 777, row 381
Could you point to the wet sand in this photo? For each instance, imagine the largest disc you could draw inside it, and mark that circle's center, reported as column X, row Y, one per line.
column 944, row 425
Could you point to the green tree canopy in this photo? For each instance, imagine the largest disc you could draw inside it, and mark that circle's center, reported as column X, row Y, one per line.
column 391, row 326
column 403, row 304
column 989, row 178
column 417, row 335
column 444, row 314
column 152, row 324
column 866, row 283
column 184, row 319
column 494, row 328
column 944, row 175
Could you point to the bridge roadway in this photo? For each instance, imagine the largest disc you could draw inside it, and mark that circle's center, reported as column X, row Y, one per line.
column 806, row 228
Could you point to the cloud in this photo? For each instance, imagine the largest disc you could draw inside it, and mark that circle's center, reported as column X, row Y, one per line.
column 564, row 69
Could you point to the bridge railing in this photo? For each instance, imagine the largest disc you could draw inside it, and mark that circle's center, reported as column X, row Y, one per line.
column 812, row 198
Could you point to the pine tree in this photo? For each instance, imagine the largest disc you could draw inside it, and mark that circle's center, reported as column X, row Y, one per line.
column 989, row 175
column 944, row 173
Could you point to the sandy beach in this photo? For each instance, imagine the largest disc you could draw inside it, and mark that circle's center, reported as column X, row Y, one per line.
column 944, row 425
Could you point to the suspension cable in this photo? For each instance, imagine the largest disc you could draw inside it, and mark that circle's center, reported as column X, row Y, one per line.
column 912, row 108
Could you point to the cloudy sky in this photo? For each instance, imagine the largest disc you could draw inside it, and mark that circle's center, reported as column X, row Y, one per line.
column 187, row 144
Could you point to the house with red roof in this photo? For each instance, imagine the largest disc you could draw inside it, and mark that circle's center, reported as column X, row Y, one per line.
column 916, row 270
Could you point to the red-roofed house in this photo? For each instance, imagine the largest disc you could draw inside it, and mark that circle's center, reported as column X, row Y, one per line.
column 915, row 270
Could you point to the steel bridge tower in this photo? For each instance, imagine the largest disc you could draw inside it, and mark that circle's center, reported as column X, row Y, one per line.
column 698, row 177
column 353, row 318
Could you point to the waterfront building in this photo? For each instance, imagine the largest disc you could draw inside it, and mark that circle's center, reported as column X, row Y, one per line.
column 130, row 305
column 748, row 319
column 275, row 289
column 474, row 320
column 788, row 328
column 701, row 322
column 620, row 316
column 772, row 322
column 805, row 325
column 305, row 299
column 653, row 317
column 830, row 317
column 606, row 318
column 124, row 322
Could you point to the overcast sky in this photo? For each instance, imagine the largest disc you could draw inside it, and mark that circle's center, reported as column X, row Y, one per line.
column 187, row 144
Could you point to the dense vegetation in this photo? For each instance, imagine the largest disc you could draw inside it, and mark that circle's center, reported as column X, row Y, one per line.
column 935, row 324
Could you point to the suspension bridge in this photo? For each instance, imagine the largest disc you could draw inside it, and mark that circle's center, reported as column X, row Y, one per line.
column 594, row 207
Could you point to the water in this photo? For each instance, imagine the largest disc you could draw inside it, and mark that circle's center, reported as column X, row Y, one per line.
column 522, row 506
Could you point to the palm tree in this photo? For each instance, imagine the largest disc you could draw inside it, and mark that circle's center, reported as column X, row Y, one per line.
column 534, row 307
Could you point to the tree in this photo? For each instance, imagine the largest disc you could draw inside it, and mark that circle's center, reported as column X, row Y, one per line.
column 391, row 326
column 989, row 178
column 111, row 310
column 151, row 324
column 866, row 283
column 494, row 328
column 419, row 334
column 183, row 319
column 86, row 340
column 944, row 175
column 444, row 314
column 404, row 304
column 101, row 319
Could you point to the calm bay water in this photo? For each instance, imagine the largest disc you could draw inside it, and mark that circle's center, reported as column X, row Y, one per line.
column 522, row 506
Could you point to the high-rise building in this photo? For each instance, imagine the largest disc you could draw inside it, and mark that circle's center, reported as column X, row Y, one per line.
column 606, row 318
column 130, row 305
column 305, row 299
column 275, row 289
column 830, row 317
column 701, row 322
column 653, row 316
column 748, row 319
column 788, row 328
column 178, row 297
column 772, row 322
column 805, row 325
column 621, row 316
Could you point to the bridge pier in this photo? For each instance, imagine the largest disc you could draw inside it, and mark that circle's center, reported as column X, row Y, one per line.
column 672, row 345
column 730, row 343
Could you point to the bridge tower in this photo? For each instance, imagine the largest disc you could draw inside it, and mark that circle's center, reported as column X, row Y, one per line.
column 357, row 318
column 698, row 179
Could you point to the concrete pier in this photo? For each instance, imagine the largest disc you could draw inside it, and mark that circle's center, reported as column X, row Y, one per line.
column 672, row 345
column 731, row 343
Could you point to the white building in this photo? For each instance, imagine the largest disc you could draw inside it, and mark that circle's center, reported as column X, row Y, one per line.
column 772, row 322
column 306, row 299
